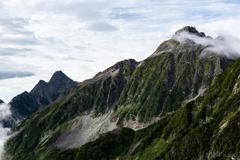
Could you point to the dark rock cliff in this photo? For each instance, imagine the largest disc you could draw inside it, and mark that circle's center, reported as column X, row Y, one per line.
column 42, row 94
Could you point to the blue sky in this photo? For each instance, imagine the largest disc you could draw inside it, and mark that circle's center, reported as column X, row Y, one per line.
column 83, row 37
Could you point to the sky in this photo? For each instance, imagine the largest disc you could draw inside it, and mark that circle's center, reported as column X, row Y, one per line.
column 83, row 37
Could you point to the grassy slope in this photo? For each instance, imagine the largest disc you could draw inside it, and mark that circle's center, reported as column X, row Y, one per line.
column 57, row 118
column 161, row 83
column 194, row 130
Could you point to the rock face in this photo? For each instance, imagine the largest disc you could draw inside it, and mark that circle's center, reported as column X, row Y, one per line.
column 191, row 30
column 129, row 94
column 46, row 93
column 42, row 94
column 1, row 101
column 23, row 105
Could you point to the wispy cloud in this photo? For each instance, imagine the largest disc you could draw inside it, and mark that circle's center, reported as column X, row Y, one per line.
column 7, row 75
column 102, row 26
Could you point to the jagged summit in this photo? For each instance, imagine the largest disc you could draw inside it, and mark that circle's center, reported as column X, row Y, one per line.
column 42, row 94
column 61, row 82
column 42, row 82
column 191, row 30
column 56, row 75
column 58, row 83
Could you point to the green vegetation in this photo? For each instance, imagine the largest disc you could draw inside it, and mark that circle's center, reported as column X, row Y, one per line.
column 184, row 135
column 161, row 83
column 60, row 116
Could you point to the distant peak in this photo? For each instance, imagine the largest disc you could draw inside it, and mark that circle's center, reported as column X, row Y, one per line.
column 25, row 92
column 58, row 73
column 42, row 82
column 1, row 101
column 58, row 76
column 191, row 30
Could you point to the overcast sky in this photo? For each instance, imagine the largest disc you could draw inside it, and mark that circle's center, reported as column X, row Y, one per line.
column 83, row 37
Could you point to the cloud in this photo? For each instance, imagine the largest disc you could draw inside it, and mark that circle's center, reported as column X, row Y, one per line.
column 13, row 23
column 4, row 132
column 12, row 66
column 5, row 115
column 5, row 111
column 12, row 51
column 18, row 40
column 13, row 31
column 15, row 26
column 7, row 75
column 102, row 27
column 89, row 60
column 226, row 46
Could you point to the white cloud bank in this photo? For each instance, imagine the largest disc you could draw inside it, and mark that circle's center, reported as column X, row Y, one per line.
column 223, row 45
column 5, row 113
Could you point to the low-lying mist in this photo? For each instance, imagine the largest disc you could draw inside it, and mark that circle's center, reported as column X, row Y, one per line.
column 223, row 45
column 5, row 114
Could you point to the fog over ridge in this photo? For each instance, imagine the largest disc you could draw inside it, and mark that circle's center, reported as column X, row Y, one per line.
column 224, row 45
column 5, row 113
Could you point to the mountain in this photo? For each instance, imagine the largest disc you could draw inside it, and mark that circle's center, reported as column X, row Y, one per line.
column 128, row 94
column 1, row 101
column 46, row 93
column 5, row 118
column 42, row 94
column 205, row 128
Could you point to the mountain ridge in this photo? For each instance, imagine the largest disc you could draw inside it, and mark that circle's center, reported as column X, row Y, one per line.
column 206, row 128
column 128, row 94
column 42, row 94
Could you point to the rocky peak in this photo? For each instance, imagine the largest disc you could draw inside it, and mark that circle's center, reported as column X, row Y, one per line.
column 191, row 30
column 41, row 83
column 118, row 65
column 42, row 94
column 121, row 63
column 57, row 76
column 25, row 93
column 60, row 81
column 1, row 101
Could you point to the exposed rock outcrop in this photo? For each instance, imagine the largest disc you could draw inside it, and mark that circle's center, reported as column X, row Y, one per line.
column 42, row 94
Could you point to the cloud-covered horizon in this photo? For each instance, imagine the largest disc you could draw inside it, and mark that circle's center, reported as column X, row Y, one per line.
column 83, row 37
